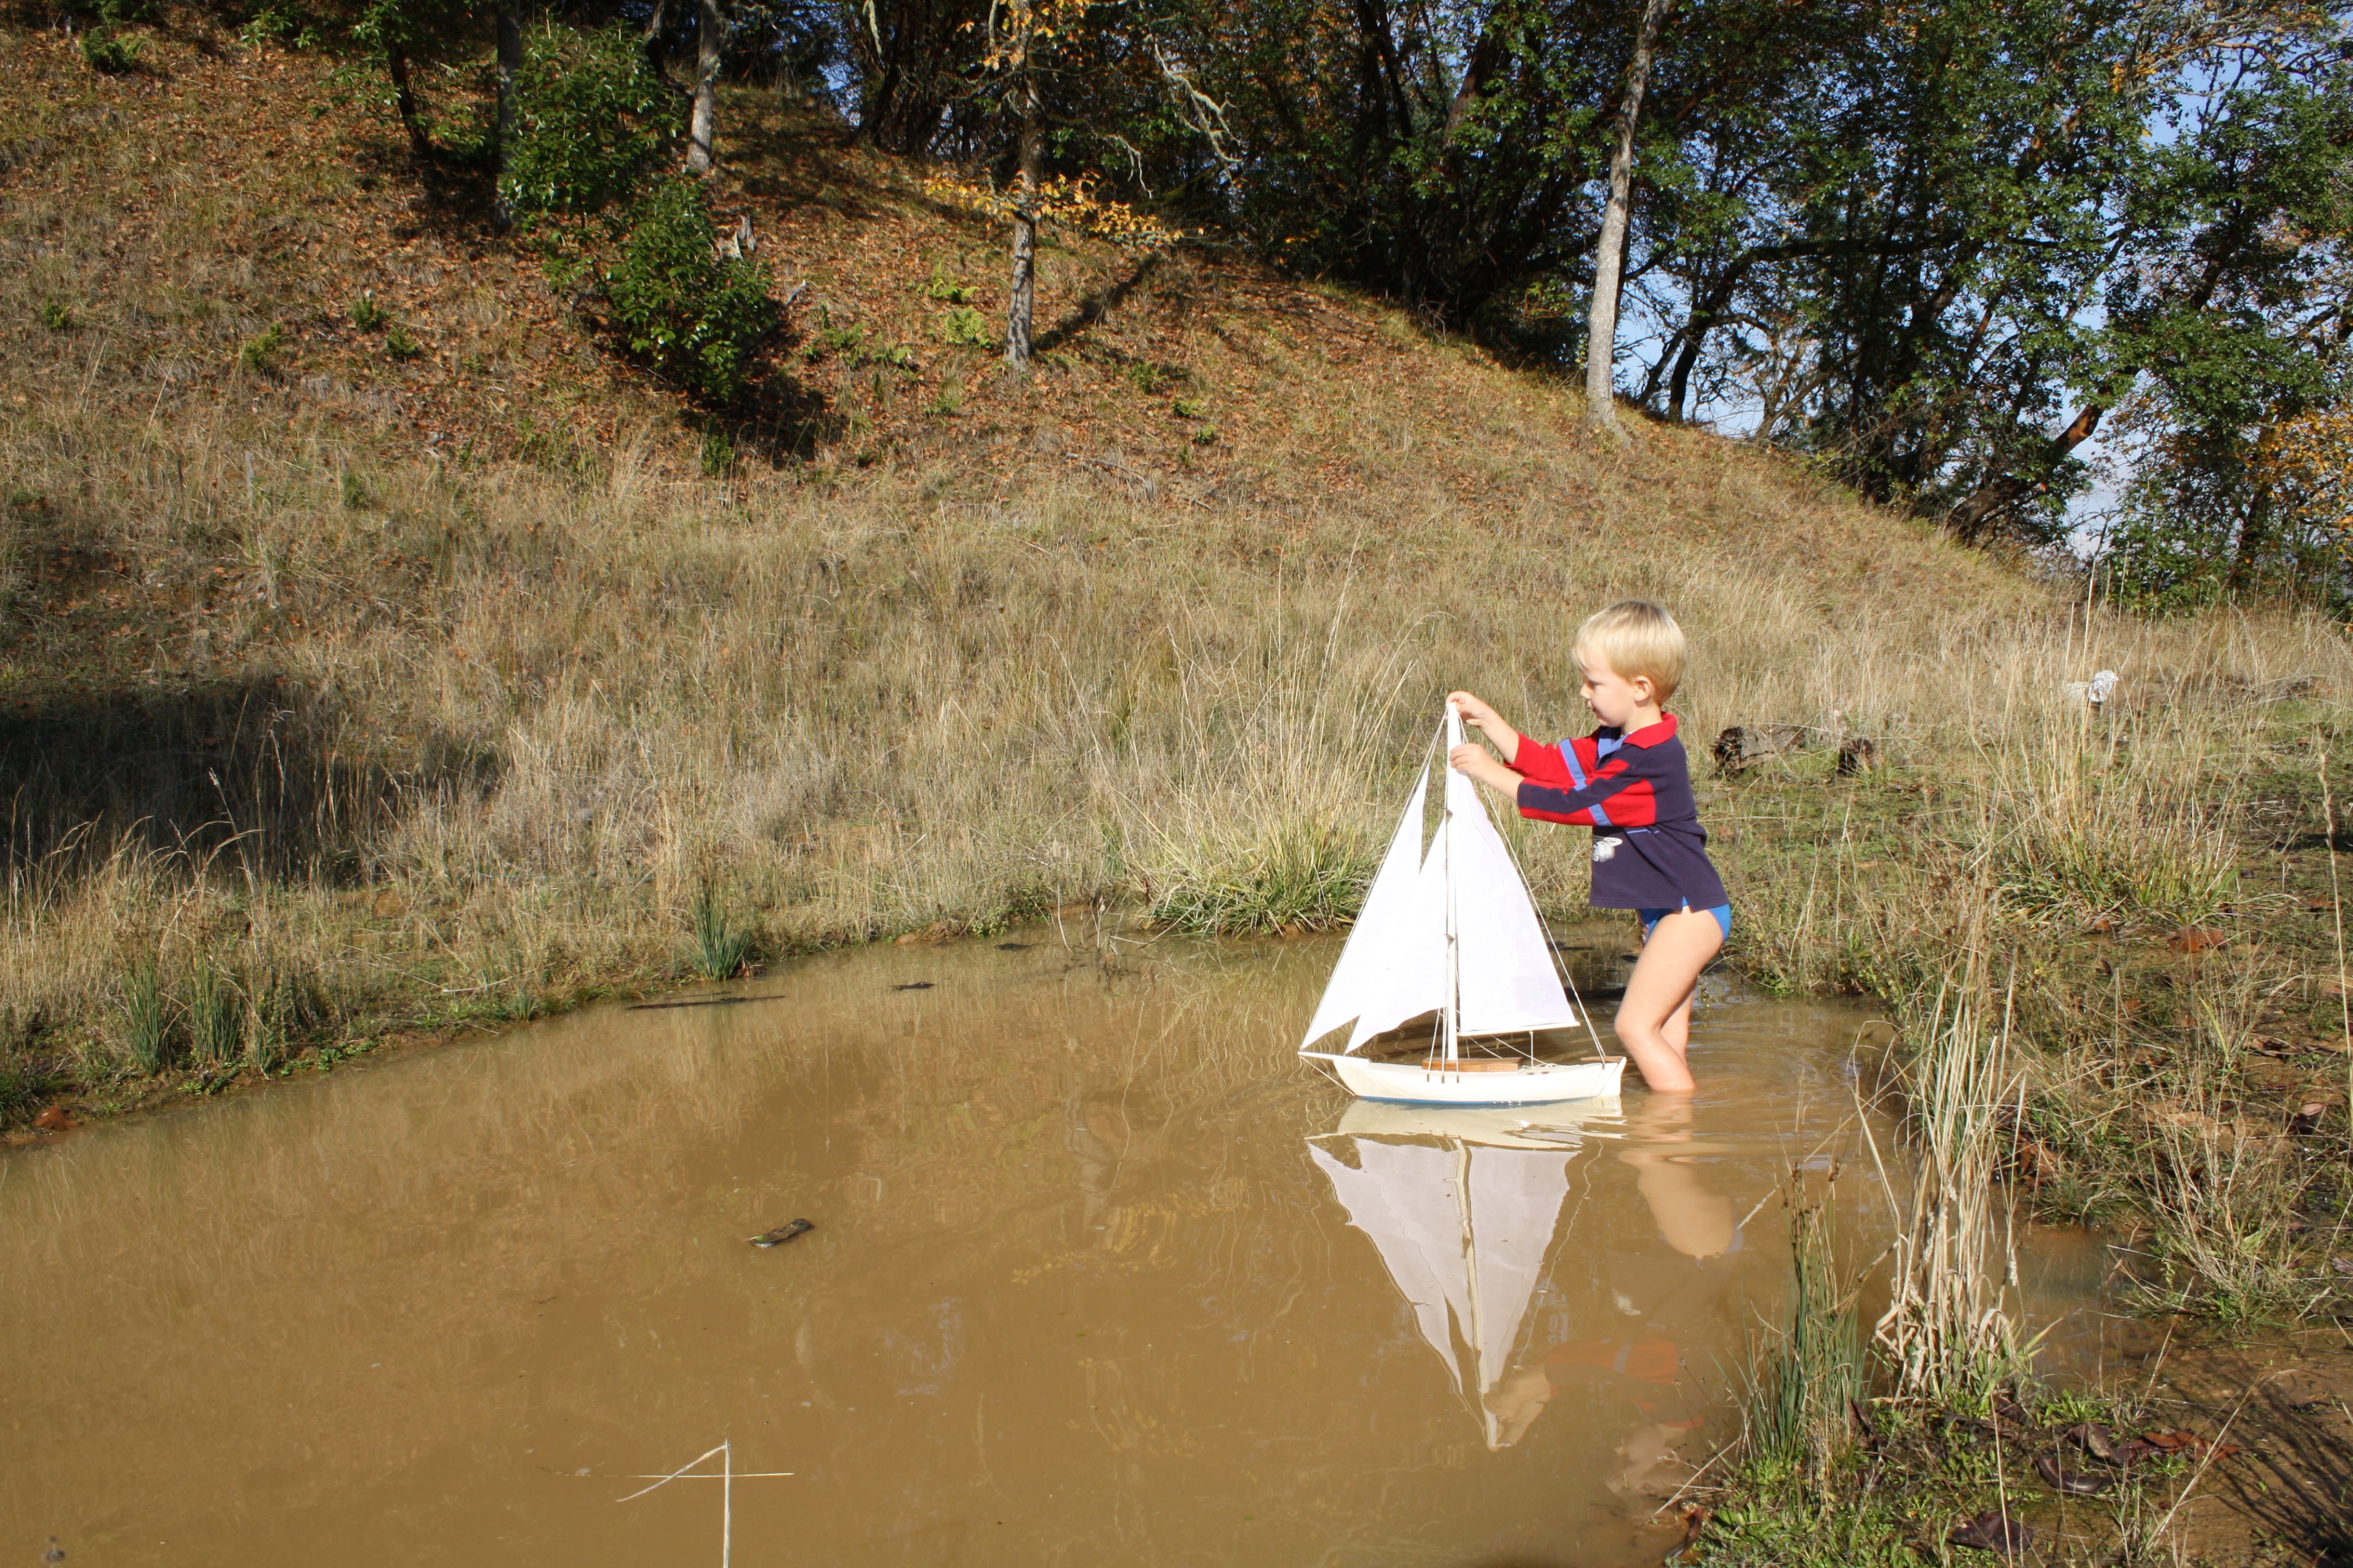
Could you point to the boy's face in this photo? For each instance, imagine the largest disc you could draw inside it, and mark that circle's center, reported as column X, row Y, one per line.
column 1613, row 698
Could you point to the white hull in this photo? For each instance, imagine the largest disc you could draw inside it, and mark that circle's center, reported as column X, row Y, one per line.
column 1537, row 1083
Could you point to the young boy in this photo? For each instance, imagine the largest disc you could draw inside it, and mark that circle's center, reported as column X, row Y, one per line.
column 1628, row 782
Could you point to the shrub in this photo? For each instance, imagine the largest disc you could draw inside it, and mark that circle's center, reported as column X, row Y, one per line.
column 280, row 22
column 260, row 355
column 56, row 315
column 966, row 328
column 718, row 453
column 109, row 52
column 945, row 288
column 400, row 345
column 696, row 319
column 590, row 119
column 367, row 315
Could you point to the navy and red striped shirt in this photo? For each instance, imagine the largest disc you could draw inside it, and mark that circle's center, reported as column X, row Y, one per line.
column 1635, row 792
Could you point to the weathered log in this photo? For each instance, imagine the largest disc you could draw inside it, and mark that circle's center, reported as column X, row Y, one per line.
column 1744, row 745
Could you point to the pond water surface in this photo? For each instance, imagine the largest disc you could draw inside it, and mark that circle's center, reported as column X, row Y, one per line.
column 1100, row 1274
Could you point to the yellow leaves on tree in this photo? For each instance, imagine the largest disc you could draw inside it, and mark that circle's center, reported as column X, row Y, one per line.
column 1072, row 203
column 2308, row 462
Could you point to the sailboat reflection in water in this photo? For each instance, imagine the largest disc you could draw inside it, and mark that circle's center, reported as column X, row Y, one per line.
column 1466, row 1207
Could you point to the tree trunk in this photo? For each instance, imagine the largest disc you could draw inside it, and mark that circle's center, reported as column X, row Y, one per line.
column 404, row 97
column 1609, row 256
column 2255, row 532
column 703, row 126
column 655, row 23
column 510, row 67
column 1020, row 297
column 1970, row 521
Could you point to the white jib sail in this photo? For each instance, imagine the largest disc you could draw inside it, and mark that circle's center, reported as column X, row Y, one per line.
column 1387, row 954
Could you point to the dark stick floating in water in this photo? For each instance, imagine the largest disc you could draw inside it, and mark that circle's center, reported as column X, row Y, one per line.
column 783, row 1234
column 914, row 985
column 1012, row 947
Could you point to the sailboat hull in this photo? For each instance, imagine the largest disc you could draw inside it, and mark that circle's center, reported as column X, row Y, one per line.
column 1535, row 1083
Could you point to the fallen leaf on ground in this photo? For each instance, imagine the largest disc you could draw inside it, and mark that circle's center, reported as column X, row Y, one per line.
column 1993, row 1530
column 2072, row 1480
column 2094, row 1438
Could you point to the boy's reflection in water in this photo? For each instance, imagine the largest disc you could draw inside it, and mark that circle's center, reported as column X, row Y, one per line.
column 1663, row 1299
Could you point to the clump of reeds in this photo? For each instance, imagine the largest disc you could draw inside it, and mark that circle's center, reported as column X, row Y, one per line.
column 2221, row 1209
column 1301, row 877
column 721, row 948
column 1947, row 1331
column 1800, row 1416
column 215, row 1013
column 144, row 1020
column 2082, row 833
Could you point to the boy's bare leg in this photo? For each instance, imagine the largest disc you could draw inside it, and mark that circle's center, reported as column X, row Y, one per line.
column 1659, row 994
column 1678, row 1025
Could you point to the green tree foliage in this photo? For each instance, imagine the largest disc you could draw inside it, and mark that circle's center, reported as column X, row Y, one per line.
column 591, row 119
column 2231, row 318
column 696, row 319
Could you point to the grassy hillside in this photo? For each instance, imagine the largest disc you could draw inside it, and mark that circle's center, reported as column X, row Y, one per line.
column 371, row 676
column 456, row 676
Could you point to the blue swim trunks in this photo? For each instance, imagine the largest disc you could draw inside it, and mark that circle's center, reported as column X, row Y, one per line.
column 1723, row 914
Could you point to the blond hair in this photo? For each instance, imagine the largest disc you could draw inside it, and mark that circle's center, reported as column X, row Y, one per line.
column 1634, row 637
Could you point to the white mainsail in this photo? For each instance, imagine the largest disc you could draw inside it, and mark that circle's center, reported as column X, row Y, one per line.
column 1396, row 964
column 1463, row 1228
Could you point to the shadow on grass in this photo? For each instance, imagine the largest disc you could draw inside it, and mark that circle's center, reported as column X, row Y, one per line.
column 1092, row 309
column 253, row 775
column 2297, row 1483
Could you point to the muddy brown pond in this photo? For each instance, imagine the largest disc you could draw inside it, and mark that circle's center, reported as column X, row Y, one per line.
column 1100, row 1274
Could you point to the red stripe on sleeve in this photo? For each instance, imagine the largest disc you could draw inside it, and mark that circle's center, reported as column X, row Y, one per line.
column 1543, row 764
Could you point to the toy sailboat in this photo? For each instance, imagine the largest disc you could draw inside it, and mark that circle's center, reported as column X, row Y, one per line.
column 1451, row 932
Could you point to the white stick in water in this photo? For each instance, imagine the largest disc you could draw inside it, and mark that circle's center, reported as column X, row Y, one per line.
column 726, row 1479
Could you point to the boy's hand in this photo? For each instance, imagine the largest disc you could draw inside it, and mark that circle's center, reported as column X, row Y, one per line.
column 1474, row 712
column 1478, row 764
column 1490, row 723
